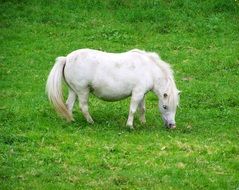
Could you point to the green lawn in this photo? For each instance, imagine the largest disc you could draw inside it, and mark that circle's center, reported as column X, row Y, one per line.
column 39, row 150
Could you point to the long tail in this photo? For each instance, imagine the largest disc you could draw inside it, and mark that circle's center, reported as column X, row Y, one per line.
column 54, row 88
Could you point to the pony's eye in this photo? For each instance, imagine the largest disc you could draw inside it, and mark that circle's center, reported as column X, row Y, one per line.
column 165, row 107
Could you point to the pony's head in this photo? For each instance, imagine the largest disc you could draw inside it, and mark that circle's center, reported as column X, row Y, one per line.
column 167, row 91
column 168, row 104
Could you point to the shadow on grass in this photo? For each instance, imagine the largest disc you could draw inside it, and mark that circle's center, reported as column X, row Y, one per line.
column 116, row 123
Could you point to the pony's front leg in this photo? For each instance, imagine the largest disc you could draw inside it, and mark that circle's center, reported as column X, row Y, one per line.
column 83, row 101
column 142, row 111
column 135, row 100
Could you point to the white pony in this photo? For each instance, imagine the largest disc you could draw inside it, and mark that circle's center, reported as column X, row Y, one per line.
column 112, row 77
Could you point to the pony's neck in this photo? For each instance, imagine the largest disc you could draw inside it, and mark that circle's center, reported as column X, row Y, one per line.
column 163, row 78
column 162, row 85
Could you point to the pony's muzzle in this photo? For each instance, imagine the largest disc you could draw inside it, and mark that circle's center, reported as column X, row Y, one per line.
column 171, row 126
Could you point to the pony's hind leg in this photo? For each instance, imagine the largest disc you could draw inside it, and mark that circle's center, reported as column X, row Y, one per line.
column 142, row 111
column 70, row 101
column 83, row 96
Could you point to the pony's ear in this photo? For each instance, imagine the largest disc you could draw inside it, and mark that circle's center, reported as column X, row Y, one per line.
column 165, row 95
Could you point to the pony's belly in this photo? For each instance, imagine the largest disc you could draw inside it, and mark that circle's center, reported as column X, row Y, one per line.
column 111, row 94
column 110, row 97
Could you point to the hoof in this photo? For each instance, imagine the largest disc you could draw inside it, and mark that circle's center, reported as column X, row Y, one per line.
column 143, row 122
column 70, row 120
column 130, row 127
column 90, row 121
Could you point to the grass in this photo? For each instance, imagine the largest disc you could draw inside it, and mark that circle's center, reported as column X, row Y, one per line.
column 39, row 150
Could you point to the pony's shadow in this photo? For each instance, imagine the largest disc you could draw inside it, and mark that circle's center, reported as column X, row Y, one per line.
column 116, row 122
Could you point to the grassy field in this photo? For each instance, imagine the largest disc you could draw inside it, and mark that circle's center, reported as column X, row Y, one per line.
column 39, row 150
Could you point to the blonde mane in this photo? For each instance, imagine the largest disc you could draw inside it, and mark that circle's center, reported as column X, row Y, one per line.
column 170, row 86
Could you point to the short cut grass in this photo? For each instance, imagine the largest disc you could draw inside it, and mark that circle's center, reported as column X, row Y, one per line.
column 39, row 150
